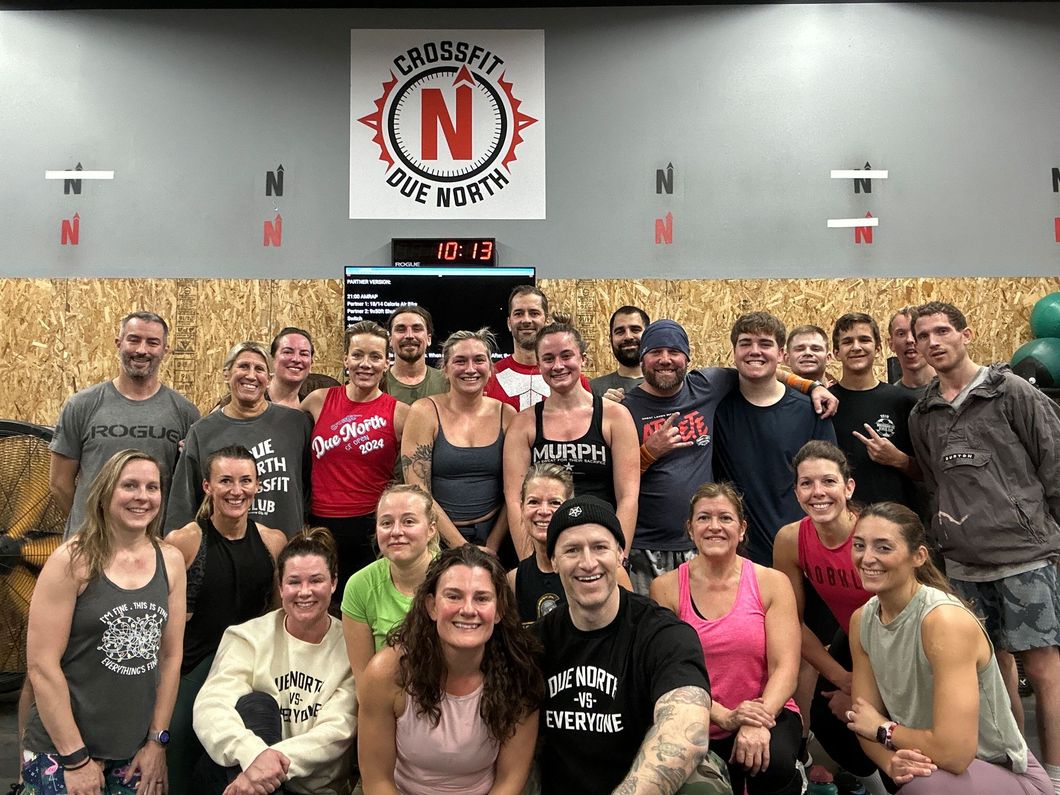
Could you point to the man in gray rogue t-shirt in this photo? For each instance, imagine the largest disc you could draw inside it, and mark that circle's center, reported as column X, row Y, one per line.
column 135, row 410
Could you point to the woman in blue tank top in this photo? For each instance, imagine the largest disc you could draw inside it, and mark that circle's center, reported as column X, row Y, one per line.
column 103, row 648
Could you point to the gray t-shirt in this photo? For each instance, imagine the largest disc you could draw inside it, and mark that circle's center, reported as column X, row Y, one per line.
column 434, row 383
column 99, row 421
column 278, row 438
column 602, row 383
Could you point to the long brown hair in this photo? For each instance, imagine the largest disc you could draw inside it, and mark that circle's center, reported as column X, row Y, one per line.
column 913, row 536
column 92, row 544
column 512, row 685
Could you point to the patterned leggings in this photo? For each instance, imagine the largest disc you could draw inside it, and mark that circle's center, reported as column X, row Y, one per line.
column 43, row 775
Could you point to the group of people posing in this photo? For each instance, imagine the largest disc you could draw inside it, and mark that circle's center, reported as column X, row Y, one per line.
column 666, row 575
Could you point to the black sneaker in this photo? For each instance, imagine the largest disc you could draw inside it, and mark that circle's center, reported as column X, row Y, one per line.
column 848, row 784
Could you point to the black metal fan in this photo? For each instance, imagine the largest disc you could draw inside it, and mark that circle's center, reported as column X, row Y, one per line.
column 31, row 527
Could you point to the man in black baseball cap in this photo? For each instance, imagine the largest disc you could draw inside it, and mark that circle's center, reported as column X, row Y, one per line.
column 628, row 699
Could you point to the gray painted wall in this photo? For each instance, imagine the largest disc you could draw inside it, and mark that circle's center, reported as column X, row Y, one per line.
column 752, row 104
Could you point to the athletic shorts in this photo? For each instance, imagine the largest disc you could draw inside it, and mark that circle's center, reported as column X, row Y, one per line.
column 647, row 564
column 1021, row 612
column 43, row 775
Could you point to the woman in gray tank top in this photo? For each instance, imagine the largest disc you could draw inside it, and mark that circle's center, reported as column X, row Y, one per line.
column 930, row 707
column 104, row 643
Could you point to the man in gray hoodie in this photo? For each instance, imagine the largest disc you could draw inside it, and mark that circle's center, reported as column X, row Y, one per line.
column 989, row 445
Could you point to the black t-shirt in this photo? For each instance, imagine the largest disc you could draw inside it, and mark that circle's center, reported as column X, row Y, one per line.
column 602, row 688
column 885, row 409
column 754, row 449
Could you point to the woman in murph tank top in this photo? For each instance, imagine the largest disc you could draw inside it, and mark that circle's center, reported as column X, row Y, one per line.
column 355, row 444
column 103, row 646
column 453, row 444
column 930, row 707
column 450, row 704
column 594, row 439
column 745, row 617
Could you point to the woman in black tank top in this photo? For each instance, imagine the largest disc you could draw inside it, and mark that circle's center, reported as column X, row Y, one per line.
column 103, row 645
column 230, row 569
column 534, row 581
column 592, row 438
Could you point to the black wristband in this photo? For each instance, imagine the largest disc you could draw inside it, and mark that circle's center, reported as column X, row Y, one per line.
column 813, row 386
column 77, row 759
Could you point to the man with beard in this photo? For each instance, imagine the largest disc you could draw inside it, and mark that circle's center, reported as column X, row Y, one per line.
column 410, row 378
column 674, row 413
column 135, row 410
column 626, row 326
column 516, row 379
column 916, row 372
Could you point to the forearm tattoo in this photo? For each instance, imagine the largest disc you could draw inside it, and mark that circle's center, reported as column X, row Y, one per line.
column 419, row 463
column 674, row 745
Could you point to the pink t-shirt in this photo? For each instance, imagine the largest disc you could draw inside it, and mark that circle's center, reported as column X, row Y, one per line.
column 457, row 755
column 734, row 646
column 831, row 572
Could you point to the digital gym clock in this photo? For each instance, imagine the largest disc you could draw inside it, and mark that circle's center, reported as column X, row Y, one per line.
column 443, row 250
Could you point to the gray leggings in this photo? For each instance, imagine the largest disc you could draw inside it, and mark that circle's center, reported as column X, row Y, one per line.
column 983, row 778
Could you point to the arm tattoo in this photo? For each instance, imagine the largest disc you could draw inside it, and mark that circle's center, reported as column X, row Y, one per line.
column 671, row 749
column 419, row 463
column 685, row 695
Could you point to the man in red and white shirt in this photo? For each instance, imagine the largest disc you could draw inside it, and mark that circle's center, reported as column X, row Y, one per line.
column 516, row 379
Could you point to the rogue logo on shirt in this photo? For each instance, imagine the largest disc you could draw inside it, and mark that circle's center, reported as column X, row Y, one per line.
column 135, row 432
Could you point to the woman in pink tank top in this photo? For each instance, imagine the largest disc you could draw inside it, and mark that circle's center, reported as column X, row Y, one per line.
column 745, row 617
column 450, row 703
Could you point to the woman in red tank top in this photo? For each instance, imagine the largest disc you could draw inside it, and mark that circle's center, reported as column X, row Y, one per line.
column 355, row 444
column 815, row 552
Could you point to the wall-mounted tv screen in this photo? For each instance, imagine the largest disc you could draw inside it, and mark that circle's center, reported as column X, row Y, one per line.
column 457, row 298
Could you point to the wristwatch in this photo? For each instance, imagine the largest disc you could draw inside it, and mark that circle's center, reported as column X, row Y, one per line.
column 884, row 734
column 161, row 737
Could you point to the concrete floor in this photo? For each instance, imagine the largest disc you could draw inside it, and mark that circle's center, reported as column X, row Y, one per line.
column 8, row 737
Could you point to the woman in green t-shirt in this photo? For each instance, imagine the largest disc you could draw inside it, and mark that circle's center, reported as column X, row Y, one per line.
column 378, row 596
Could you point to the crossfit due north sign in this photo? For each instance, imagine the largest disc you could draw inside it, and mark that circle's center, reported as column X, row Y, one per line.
column 447, row 124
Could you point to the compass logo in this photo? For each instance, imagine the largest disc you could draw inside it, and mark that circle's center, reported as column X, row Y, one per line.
column 447, row 125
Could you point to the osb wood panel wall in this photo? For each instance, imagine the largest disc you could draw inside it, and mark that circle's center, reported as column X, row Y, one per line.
column 57, row 335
